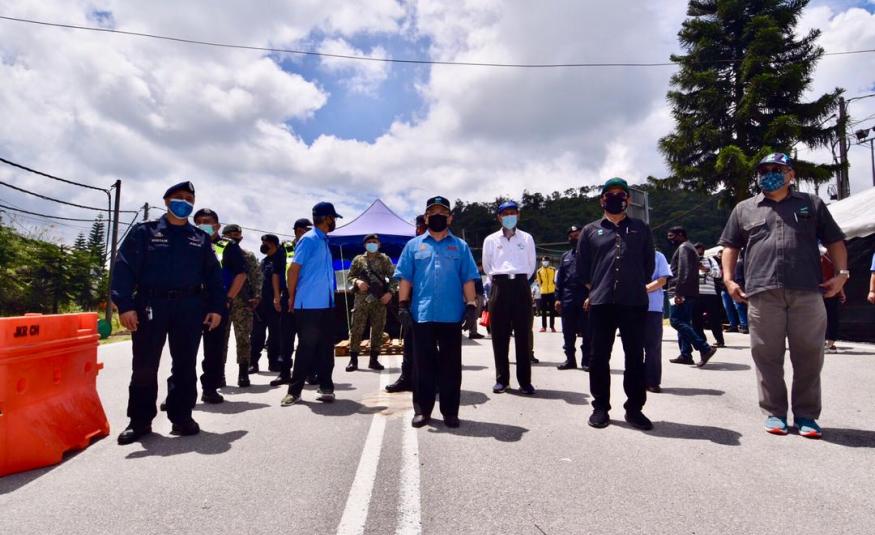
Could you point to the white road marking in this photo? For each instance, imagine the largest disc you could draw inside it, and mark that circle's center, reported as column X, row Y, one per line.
column 409, row 508
column 355, row 513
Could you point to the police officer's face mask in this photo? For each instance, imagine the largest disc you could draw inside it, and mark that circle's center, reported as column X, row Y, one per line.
column 265, row 248
column 437, row 222
column 180, row 208
column 771, row 181
column 207, row 227
column 372, row 247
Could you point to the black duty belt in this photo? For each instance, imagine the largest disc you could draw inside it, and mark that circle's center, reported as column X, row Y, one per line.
column 510, row 277
column 169, row 293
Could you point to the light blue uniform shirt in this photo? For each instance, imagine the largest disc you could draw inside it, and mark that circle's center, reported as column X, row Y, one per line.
column 657, row 298
column 437, row 270
column 316, row 281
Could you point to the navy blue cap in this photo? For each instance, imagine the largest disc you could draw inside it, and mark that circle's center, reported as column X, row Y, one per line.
column 302, row 223
column 507, row 205
column 778, row 158
column 371, row 237
column 572, row 228
column 323, row 209
column 273, row 238
column 182, row 186
column 438, row 201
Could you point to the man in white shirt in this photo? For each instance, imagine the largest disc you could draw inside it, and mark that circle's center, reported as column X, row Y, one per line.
column 509, row 260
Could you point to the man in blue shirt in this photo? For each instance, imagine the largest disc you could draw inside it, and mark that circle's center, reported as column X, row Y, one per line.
column 166, row 283
column 435, row 293
column 653, row 324
column 311, row 287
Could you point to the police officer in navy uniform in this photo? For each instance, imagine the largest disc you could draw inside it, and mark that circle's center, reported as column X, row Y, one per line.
column 166, row 283
column 570, row 295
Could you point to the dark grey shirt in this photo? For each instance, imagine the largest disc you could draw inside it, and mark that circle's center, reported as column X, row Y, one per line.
column 685, row 269
column 617, row 260
column 780, row 240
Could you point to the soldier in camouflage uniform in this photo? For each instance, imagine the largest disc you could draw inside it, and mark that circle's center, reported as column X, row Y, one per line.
column 371, row 276
column 240, row 314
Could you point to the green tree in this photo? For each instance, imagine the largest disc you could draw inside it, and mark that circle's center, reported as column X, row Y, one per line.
column 738, row 95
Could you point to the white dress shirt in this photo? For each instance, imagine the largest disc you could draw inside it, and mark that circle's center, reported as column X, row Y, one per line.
column 509, row 256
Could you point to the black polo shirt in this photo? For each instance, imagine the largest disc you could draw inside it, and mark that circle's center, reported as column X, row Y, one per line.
column 617, row 260
column 780, row 240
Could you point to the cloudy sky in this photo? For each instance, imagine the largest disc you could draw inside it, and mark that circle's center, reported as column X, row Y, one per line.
column 265, row 136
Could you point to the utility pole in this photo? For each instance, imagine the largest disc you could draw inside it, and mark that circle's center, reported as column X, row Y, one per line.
column 843, row 186
column 146, row 212
column 872, row 154
column 113, row 250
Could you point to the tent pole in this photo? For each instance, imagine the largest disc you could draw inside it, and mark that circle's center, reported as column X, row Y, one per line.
column 345, row 294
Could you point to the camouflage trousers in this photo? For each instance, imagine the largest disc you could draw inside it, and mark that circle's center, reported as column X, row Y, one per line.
column 240, row 316
column 375, row 311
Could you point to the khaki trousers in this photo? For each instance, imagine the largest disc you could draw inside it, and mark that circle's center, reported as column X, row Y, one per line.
column 799, row 317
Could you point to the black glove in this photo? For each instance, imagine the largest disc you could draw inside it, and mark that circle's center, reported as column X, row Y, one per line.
column 470, row 321
column 404, row 316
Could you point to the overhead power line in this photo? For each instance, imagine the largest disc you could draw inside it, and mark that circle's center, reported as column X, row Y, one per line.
column 34, row 171
column 384, row 60
column 45, row 197
column 45, row 215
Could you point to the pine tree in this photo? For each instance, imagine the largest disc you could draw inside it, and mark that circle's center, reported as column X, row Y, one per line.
column 97, row 238
column 738, row 95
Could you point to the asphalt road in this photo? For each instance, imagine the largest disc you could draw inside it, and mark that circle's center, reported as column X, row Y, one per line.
column 516, row 465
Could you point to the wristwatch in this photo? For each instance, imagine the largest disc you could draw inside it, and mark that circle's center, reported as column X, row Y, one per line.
column 844, row 273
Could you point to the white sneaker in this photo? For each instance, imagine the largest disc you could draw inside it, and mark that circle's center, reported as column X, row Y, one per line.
column 326, row 397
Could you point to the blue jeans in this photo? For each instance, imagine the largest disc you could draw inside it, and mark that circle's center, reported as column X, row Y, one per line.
column 681, row 319
column 736, row 313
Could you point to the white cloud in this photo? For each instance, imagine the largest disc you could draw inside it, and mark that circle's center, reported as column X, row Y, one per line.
column 97, row 107
column 359, row 76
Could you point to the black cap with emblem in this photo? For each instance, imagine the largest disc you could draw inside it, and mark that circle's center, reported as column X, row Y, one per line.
column 438, row 201
column 182, row 186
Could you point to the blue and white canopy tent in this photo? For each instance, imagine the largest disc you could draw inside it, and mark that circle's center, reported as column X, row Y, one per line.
column 346, row 241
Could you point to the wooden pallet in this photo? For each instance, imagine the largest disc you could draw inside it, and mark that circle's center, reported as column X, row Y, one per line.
column 389, row 347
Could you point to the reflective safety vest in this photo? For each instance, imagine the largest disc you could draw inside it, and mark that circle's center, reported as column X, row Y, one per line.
column 290, row 254
column 219, row 248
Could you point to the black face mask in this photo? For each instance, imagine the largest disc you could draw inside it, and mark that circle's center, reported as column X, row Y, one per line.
column 265, row 249
column 614, row 203
column 437, row 222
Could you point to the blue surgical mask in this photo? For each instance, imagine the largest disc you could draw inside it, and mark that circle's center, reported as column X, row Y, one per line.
column 372, row 247
column 181, row 208
column 206, row 227
column 509, row 222
column 771, row 181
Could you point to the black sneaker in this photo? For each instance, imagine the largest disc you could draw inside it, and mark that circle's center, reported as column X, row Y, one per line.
column 743, row 330
column 639, row 421
column 534, row 359
column 185, row 429
column 326, row 396
column 528, row 390
column 655, row 389
column 683, row 359
column 599, row 419
column 133, row 433
column 212, row 397
column 706, row 356
column 401, row 385
column 499, row 388
column 281, row 380
column 567, row 365
column 420, row 420
column 475, row 336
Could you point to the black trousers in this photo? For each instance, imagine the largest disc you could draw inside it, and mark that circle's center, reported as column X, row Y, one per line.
column 180, row 320
column 407, row 358
column 605, row 320
column 213, row 365
column 287, row 343
column 265, row 320
column 575, row 323
column 316, row 330
column 548, row 304
column 708, row 312
column 510, row 309
column 832, row 318
column 437, row 363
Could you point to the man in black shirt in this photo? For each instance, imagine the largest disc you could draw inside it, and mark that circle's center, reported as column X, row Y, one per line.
column 615, row 261
column 683, row 292
column 269, row 308
column 233, row 278
column 570, row 295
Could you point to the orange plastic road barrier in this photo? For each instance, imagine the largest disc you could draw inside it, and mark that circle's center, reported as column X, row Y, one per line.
column 48, row 395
